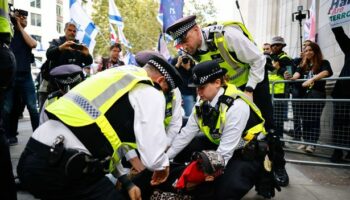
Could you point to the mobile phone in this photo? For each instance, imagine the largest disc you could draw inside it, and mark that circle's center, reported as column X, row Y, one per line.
column 77, row 46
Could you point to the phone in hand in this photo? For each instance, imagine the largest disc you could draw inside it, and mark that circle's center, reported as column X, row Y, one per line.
column 77, row 46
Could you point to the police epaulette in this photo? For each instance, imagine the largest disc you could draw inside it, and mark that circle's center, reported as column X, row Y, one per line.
column 226, row 100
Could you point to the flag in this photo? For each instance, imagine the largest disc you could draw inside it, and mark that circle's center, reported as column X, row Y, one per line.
column 86, row 29
column 162, row 47
column 129, row 59
column 113, row 35
column 169, row 12
column 310, row 24
column 116, row 18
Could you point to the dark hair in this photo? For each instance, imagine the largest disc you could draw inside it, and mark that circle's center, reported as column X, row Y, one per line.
column 316, row 60
column 222, row 79
column 115, row 45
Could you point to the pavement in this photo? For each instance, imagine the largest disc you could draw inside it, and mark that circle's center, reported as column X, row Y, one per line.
column 307, row 182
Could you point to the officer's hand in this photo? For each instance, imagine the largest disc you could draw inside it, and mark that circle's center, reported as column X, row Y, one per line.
column 66, row 46
column 249, row 95
column 160, row 176
column 137, row 164
column 134, row 193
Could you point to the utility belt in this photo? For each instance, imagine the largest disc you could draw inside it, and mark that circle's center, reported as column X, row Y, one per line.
column 74, row 163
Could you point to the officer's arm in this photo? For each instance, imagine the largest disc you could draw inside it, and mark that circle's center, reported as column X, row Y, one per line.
column 184, row 137
column 149, row 107
column 246, row 52
column 236, row 120
column 176, row 120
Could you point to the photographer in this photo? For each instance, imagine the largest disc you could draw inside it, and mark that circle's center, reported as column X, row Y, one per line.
column 184, row 66
column 23, row 85
column 67, row 50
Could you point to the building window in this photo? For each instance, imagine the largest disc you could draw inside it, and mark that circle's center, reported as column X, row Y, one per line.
column 59, row 27
column 35, row 19
column 59, row 10
column 35, row 3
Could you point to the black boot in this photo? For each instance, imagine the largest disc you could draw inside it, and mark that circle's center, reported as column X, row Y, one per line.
column 281, row 177
column 337, row 156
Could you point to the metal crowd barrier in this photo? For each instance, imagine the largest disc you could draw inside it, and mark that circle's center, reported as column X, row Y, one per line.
column 323, row 123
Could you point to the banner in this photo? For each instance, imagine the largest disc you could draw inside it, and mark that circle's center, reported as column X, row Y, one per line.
column 339, row 13
column 169, row 12
column 310, row 24
column 116, row 18
column 86, row 29
column 129, row 59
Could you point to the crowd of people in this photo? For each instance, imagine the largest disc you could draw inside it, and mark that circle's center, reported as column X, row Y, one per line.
column 122, row 133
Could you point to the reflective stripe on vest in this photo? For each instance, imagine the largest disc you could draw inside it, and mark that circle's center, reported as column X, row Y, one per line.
column 92, row 98
column 169, row 109
column 236, row 70
column 248, row 135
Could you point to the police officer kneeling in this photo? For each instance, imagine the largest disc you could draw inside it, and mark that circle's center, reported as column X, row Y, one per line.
column 230, row 123
column 92, row 127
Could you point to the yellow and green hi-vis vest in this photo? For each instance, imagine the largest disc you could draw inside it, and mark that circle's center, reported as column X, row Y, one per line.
column 237, row 71
column 5, row 26
column 279, row 88
column 170, row 104
column 88, row 102
column 249, row 134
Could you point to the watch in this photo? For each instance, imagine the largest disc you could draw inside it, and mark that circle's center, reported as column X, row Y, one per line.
column 249, row 89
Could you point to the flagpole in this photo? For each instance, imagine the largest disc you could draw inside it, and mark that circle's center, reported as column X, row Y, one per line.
column 104, row 38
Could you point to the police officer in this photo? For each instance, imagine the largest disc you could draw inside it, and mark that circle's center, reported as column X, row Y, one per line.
column 65, row 77
column 7, row 69
column 227, row 121
column 93, row 126
column 232, row 46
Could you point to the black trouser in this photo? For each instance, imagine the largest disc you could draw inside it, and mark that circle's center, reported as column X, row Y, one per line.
column 341, row 125
column 262, row 99
column 7, row 182
column 47, row 181
column 279, row 113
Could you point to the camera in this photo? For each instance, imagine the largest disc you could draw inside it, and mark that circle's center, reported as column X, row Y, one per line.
column 15, row 10
column 185, row 59
column 77, row 46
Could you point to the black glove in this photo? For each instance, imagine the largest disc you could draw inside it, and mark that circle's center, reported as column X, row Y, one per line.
column 266, row 185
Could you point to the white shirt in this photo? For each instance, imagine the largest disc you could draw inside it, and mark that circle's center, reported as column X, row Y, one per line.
column 149, row 107
column 246, row 52
column 236, row 120
column 176, row 119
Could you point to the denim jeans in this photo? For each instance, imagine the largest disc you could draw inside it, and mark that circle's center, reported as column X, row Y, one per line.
column 188, row 103
column 23, row 88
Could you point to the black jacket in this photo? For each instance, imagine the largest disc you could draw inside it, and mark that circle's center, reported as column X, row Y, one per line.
column 341, row 88
column 58, row 57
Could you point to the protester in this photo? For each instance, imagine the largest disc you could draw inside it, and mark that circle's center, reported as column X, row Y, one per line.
column 341, row 116
column 114, row 58
column 23, row 86
column 313, row 68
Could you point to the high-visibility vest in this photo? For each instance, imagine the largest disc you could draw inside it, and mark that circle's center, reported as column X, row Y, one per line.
column 249, row 134
column 279, row 88
column 88, row 102
column 5, row 26
column 237, row 70
column 170, row 104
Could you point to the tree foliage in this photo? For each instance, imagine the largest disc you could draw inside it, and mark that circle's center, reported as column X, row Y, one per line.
column 141, row 27
column 203, row 9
